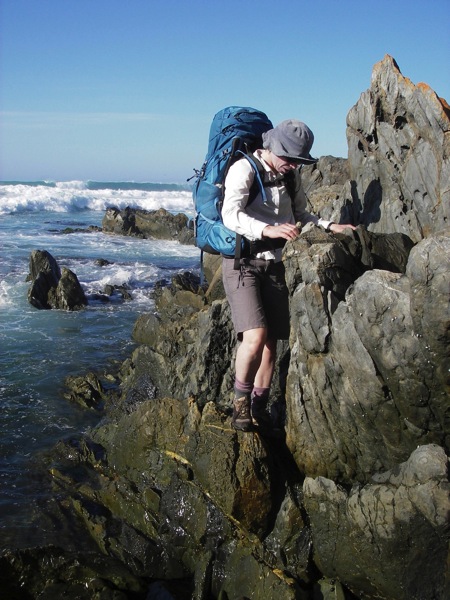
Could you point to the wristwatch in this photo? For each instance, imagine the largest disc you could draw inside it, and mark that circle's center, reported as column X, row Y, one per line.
column 328, row 227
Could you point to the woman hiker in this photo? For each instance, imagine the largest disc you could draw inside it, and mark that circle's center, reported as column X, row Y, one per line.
column 257, row 291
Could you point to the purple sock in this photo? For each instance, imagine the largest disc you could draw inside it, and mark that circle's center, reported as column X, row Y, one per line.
column 260, row 393
column 242, row 387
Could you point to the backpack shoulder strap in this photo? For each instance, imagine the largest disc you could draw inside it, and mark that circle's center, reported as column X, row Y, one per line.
column 258, row 184
column 291, row 180
column 256, row 187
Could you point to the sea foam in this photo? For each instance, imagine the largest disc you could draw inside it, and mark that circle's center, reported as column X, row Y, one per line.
column 72, row 196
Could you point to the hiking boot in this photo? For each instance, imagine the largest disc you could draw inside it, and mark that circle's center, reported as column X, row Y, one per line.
column 242, row 419
column 262, row 419
column 260, row 415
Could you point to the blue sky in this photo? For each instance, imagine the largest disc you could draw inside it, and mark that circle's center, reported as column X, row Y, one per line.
column 114, row 90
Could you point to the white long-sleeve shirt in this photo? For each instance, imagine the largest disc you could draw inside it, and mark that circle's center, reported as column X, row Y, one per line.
column 250, row 221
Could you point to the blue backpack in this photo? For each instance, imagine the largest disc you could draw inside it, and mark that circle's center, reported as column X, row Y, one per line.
column 235, row 132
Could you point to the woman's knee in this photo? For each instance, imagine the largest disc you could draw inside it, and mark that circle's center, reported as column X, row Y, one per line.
column 255, row 339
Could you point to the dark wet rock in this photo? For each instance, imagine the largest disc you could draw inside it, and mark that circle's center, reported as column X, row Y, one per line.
column 185, row 495
column 51, row 286
column 199, row 348
column 120, row 290
column 86, row 390
column 69, row 294
column 290, row 538
column 45, row 274
column 51, row 573
column 102, row 262
column 158, row 224
column 142, row 390
column 111, row 293
column 89, row 229
column 103, row 298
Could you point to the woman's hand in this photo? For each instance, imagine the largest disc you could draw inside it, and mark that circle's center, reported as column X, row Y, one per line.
column 286, row 231
column 340, row 227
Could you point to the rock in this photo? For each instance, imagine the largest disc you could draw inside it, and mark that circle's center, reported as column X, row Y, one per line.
column 389, row 252
column 158, row 591
column 121, row 290
column 399, row 155
column 69, row 294
column 86, row 390
column 119, row 221
column 51, row 286
column 428, row 272
column 157, row 224
column 53, row 573
column 212, row 267
column 329, row 589
column 44, row 275
column 324, row 184
column 290, row 539
column 194, row 495
column 199, row 349
column 181, row 298
column 362, row 377
column 89, row 229
column 387, row 539
column 102, row 262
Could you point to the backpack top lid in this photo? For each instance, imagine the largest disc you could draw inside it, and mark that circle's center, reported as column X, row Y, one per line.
column 234, row 128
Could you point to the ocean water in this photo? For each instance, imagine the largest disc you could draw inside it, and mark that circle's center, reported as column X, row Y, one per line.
column 39, row 348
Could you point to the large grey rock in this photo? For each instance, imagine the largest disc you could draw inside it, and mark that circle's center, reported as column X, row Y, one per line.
column 365, row 383
column 387, row 539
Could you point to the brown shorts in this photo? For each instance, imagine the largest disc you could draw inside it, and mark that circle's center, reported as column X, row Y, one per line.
column 258, row 296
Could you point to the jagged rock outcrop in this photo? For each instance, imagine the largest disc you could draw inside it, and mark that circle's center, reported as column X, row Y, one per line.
column 52, row 287
column 358, row 489
column 399, row 155
column 175, row 481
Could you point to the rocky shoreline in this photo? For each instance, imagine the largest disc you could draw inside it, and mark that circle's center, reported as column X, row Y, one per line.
column 353, row 501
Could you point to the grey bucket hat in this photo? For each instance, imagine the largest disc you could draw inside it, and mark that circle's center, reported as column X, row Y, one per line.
column 291, row 139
